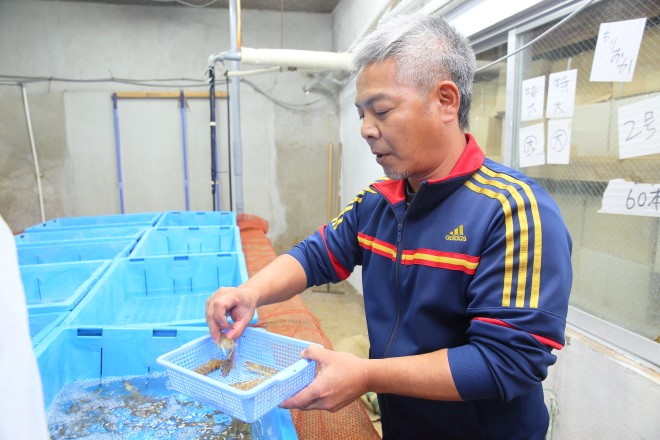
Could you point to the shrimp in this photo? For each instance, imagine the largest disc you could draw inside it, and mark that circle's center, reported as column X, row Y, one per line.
column 227, row 345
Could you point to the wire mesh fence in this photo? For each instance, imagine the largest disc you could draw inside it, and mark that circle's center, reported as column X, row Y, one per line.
column 616, row 257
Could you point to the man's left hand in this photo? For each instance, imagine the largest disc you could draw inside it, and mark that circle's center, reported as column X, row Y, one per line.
column 341, row 379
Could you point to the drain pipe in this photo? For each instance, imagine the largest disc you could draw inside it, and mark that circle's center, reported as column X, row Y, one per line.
column 184, row 147
column 235, row 101
column 120, row 180
column 37, row 171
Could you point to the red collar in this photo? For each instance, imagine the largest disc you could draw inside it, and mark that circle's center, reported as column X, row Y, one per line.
column 468, row 163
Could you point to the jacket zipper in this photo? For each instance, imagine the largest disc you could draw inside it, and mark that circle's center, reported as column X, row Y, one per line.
column 397, row 324
column 384, row 398
column 397, row 321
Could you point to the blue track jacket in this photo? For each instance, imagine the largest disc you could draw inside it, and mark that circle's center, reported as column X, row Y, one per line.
column 479, row 263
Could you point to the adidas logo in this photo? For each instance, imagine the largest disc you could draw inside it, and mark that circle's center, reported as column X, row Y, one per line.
column 456, row 235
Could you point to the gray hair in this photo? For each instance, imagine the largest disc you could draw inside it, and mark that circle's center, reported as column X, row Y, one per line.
column 427, row 50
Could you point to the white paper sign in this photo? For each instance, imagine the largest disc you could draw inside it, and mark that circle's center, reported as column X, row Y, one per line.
column 639, row 128
column 533, row 94
column 561, row 94
column 559, row 141
column 630, row 198
column 616, row 51
column 531, row 146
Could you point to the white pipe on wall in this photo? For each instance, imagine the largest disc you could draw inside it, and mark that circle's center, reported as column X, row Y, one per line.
column 37, row 171
column 303, row 59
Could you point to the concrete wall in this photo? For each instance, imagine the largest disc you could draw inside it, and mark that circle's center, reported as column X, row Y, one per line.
column 283, row 150
column 594, row 390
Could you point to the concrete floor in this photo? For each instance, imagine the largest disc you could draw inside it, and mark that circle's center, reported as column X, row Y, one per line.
column 340, row 310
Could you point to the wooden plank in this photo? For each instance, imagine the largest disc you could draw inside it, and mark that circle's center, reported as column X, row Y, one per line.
column 168, row 95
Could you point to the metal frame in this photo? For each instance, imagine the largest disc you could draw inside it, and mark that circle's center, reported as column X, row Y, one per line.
column 120, row 180
column 620, row 338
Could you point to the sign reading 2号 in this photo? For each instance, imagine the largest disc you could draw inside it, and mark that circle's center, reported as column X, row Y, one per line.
column 639, row 128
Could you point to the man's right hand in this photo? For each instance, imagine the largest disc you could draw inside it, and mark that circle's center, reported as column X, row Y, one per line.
column 237, row 302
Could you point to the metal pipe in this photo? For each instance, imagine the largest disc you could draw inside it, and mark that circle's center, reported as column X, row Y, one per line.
column 37, row 171
column 235, row 101
column 118, row 153
column 242, row 73
column 182, row 103
column 513, row 72
column 330, row 201
column 224, row 56
column 215, row 194
column 229, row 168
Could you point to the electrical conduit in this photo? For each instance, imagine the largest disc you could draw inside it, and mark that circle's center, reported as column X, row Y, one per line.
column 182, row 103
column 37, row 171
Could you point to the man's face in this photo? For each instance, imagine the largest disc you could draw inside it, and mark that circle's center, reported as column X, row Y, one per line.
column 402, row 127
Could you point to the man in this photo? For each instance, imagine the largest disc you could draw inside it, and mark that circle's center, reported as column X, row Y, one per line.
column 465, row 263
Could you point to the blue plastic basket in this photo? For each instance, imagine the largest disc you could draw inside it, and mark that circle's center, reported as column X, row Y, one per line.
column 183, row 240
column 69, row 355
column 144, row 218
column 255, row 345
column 43, row 323
column 197, row 218
column 58, row 287
column 44, row 253
column 169, row 290
column 70, row 235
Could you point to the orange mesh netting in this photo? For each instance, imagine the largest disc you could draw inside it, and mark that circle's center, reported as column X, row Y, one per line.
column 293, row 318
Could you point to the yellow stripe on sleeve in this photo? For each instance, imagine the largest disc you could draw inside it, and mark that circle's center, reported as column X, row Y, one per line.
column 508, row 222
column 538, row 234
column 335, row 222
column 523, row 237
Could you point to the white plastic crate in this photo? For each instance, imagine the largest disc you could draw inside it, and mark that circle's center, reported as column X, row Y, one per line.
column 256, row 346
